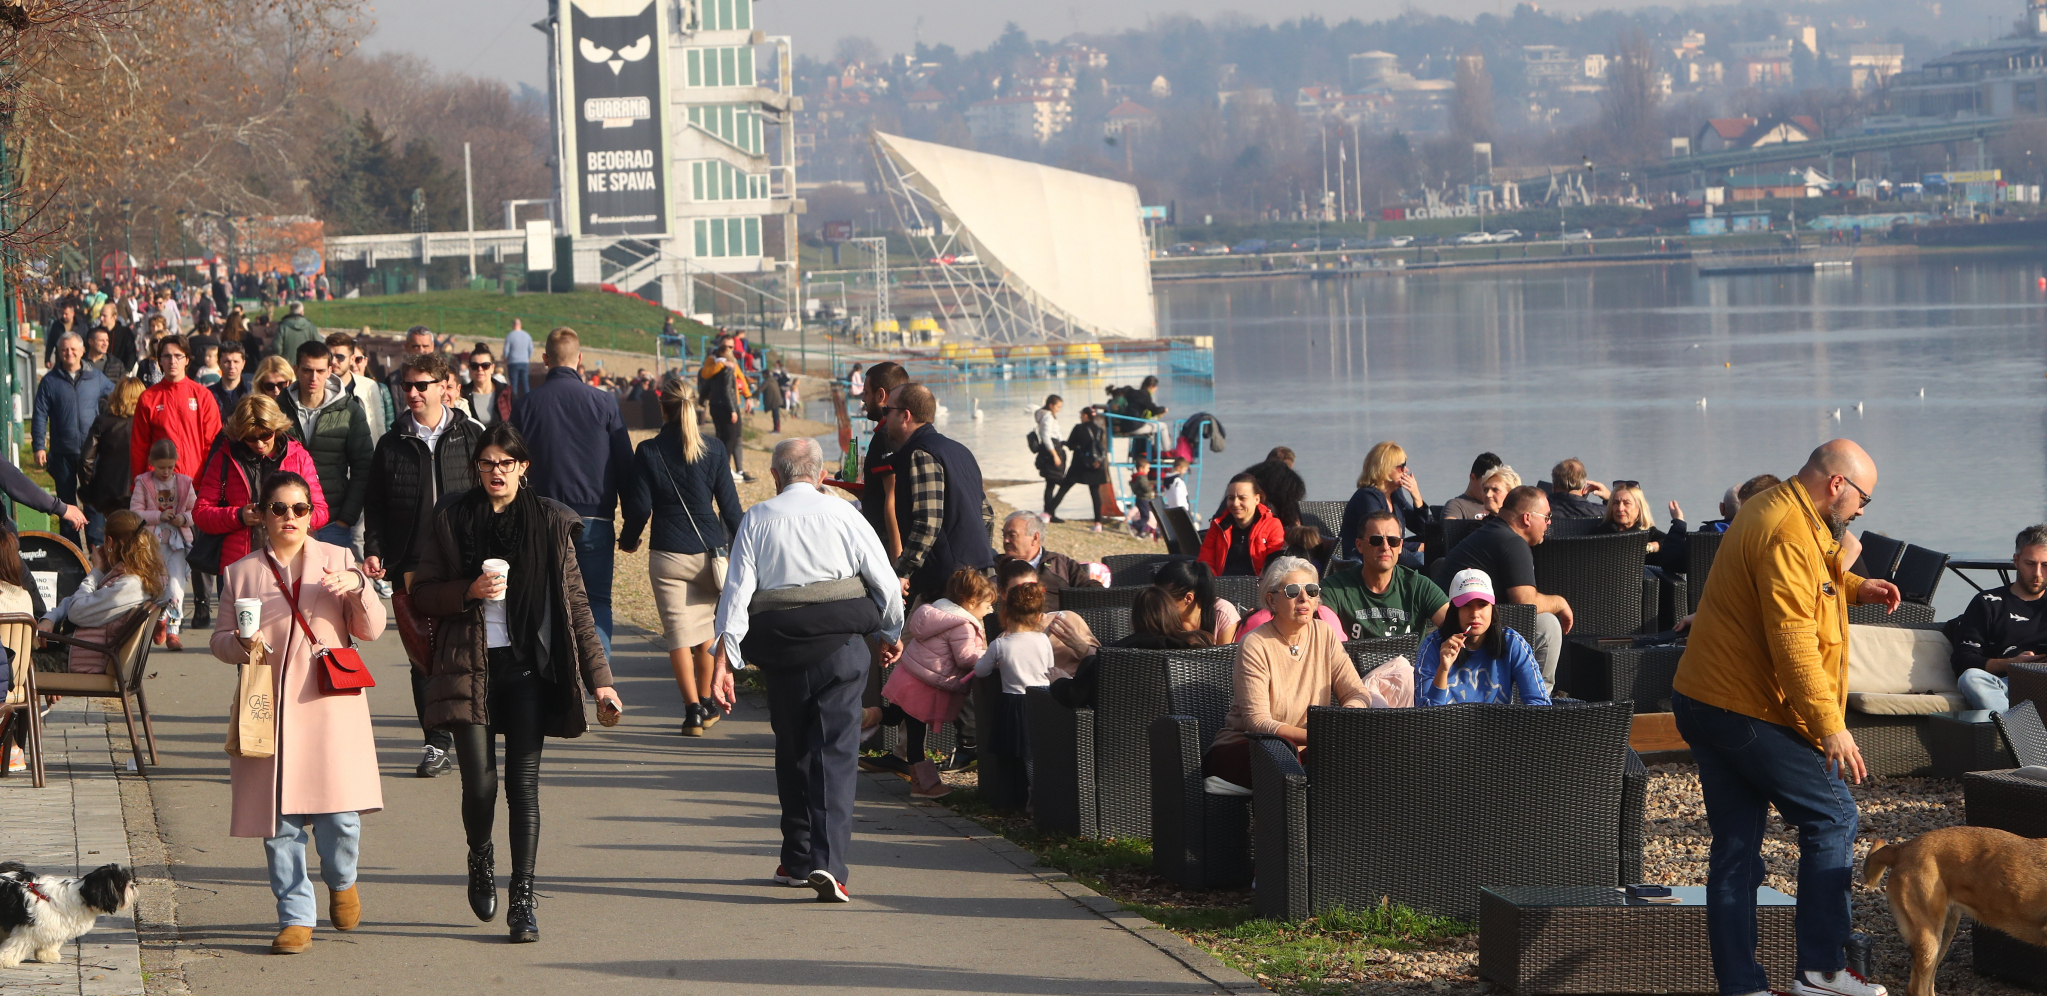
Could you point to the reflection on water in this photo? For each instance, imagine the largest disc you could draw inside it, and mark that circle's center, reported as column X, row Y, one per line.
column 1611, row 364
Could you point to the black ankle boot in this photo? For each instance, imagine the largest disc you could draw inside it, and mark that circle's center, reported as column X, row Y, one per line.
column 483, row 882
column 711, row 713
column 525, row 926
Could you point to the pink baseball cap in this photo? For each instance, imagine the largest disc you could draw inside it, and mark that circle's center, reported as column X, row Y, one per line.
column 1470, row 585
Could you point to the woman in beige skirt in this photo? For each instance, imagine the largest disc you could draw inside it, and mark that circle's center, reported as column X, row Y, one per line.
column 676, row 477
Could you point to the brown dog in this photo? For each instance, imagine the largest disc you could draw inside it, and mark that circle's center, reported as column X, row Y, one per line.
column 1999, row 878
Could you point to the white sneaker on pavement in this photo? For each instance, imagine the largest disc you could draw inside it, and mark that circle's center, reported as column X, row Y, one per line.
column 1841, row 983
column 828, row 888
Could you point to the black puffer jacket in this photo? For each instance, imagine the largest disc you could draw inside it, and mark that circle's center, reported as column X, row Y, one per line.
column 341, row 448
column 406, row 481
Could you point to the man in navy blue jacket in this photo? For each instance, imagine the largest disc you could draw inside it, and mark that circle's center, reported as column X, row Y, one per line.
column 580, row 454
column 67, row 400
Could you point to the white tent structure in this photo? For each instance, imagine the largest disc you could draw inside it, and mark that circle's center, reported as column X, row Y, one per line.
column 1061, row 255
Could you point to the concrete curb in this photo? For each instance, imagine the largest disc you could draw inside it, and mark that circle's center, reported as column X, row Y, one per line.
column 1171, row 944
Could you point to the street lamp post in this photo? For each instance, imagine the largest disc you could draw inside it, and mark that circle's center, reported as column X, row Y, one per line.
column 127, row 235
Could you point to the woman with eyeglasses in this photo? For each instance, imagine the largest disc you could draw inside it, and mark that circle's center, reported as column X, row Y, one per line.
column 252, row 446
column 324, row 775
column 274, row 376
column 1285, row 666
column 487, row 397
column 514, row 654
column 1384, row 484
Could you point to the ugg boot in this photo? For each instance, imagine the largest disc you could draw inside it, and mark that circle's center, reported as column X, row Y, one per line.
column 292, row 940
column 344, row 908
column 925, row 783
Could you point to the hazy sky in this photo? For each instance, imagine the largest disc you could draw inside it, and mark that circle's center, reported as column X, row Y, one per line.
column 494, row 38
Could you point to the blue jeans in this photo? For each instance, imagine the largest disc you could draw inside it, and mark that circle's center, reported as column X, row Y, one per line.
column 63, row 468
column 521, row 377
column 1985, row 690
column 594, row 553
column 336, row 534
column 1746, row 766
column 337, row 836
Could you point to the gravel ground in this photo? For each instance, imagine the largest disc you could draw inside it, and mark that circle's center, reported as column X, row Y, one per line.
column 1676, row 851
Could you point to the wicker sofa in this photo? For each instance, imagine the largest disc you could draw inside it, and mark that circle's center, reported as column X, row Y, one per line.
column 1905, row 710
column 2007, row 800
column 1202, row 840
column 1594, row 671
column 1393, row 806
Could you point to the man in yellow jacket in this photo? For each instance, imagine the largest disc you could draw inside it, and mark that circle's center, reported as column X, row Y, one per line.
column 1759, row 697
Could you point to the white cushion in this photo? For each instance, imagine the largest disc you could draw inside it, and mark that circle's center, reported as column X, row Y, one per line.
column 1892, row 704
column 2032, row 771
column 1897, row 660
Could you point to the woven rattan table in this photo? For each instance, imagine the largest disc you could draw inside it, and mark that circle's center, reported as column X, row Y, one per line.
column 1597, row 940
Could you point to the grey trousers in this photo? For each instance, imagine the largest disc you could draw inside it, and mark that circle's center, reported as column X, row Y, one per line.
column 815, row 714
column 1548, row 646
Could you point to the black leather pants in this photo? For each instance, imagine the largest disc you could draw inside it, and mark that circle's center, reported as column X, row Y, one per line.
column 518, row 712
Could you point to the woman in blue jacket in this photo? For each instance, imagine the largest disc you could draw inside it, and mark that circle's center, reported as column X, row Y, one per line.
column 1473, row 657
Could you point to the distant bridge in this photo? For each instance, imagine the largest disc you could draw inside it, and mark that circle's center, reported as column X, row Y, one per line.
column 1784, row 152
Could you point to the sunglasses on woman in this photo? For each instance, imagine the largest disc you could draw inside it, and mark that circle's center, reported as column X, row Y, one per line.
column 1295, row 590
column 272, row 386
column 1617, row 485
column 296, row 510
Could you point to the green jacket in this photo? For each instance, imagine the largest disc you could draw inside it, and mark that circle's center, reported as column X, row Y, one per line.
column 341, row 448
column 293, row 332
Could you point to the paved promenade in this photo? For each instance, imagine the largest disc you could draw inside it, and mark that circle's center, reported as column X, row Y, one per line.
column 653, row 873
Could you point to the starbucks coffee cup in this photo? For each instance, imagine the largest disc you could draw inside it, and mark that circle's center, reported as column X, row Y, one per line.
column 248, row 617
column 497, row 569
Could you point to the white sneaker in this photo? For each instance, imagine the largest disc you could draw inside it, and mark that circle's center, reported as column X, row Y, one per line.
column 828, row 888
column 1841, row 983
column 16, row 762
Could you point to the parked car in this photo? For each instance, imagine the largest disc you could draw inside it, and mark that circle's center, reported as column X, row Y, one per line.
column 1578, row 235
column 1180, row 249
column 1508, row 235
column 1475, row 239
column 1422, row 241
column 1249, row 246
column 1214, row 249
column 1607, row 233
column 1390, row 242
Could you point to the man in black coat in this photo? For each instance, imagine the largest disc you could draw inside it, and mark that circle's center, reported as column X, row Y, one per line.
column 429, row 454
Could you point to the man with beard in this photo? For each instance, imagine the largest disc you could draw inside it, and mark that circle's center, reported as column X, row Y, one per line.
column 2002, row 627
column 1760, row 695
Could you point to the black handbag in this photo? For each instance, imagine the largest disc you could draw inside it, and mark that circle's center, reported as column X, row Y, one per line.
column 204, row 556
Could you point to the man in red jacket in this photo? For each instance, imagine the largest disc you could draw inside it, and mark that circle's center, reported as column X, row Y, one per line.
column 175, row 408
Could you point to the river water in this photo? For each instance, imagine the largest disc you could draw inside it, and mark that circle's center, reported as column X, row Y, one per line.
column 1687, row 383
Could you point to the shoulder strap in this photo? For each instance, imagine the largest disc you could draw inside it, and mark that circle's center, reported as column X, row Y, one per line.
column 669, row 473
column 291, row 600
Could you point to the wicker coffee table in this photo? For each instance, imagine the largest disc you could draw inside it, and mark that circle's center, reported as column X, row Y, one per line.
column 1540, row 939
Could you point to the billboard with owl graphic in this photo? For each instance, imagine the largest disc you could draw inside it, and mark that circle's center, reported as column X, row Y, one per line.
column 613, row 116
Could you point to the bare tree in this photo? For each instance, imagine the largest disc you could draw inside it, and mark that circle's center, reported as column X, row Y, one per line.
column 1633, row 91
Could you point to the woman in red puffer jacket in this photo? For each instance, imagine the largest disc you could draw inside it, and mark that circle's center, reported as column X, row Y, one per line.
column 1240, row 540
column 254, row 444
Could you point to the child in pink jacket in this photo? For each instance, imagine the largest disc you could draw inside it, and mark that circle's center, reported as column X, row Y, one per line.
column 941, row 644
column 165, row 498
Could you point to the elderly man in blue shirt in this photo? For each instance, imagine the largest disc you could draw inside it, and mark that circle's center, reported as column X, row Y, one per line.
column 809, row 582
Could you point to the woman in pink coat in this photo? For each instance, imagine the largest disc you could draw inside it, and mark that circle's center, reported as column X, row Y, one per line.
column 324, row 773
column 252, row 446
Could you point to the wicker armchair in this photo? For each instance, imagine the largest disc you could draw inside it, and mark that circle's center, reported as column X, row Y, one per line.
column 1573, row 528
column 1699, row 552
column 1907, row 614
column 1109, row 623
column 1241, row 591
column 1557, row 801
column 1387, row 646
column 1601, row 576
column 1893, row 745
column 1199, row 840
column 2005, row 801
column 1326, row 516
column 2028, row 684
column 1122, row 597
column 1619, row 673
column 1128, row 569
column 1091, row 767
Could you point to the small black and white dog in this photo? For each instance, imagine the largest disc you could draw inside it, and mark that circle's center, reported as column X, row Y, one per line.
column 39, row 914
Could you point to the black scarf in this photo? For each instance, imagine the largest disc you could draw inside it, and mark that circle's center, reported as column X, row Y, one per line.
column 519, row 536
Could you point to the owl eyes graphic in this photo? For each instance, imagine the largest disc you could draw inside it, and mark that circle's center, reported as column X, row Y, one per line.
column 631, row 53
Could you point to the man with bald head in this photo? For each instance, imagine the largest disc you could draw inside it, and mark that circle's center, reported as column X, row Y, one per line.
column 1760, row 696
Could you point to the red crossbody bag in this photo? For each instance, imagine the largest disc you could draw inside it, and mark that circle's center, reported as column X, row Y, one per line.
column 341, row 669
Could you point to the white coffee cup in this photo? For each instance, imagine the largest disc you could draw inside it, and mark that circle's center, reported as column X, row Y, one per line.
column 497, row 569
column 248, row 617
